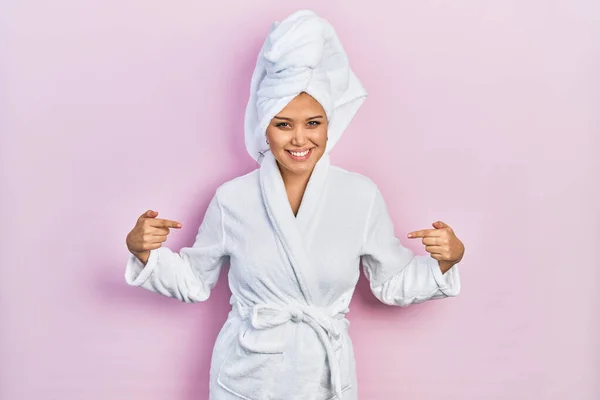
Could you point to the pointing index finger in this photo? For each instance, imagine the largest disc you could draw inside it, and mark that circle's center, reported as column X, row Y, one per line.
column 423, row 233
column 166, row 223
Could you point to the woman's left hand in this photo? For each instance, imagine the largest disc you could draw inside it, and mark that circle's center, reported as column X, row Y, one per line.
column 442, row 244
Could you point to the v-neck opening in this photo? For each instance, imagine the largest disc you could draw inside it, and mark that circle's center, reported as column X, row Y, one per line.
column 302, row 202
column 294, row 230
column 307, row 190
column 311, row 198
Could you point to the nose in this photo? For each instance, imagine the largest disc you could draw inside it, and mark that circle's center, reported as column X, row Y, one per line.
column 299, row 138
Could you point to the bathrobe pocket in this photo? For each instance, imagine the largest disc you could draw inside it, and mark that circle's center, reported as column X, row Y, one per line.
column 254, row 362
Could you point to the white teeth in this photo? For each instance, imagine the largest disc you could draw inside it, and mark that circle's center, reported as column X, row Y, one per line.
column 296, row 154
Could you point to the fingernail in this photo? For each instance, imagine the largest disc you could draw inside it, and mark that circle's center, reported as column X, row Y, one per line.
column 410, row 235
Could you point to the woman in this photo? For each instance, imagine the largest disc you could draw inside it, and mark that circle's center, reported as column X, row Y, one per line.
column 294, row 231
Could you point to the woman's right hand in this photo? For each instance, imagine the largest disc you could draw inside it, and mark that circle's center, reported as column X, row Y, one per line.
column 148, row 234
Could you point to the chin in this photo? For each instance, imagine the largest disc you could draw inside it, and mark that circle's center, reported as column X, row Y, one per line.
column 299, row 169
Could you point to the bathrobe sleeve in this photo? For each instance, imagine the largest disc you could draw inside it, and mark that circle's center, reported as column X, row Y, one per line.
column 191, row 274
column 396, row 275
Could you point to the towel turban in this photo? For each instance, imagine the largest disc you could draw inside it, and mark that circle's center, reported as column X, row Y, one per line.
column 302, row 53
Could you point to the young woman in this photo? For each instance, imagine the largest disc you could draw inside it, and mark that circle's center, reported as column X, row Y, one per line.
column 294, row 231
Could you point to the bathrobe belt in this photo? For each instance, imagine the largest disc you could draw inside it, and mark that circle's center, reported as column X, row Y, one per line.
column 265, row 316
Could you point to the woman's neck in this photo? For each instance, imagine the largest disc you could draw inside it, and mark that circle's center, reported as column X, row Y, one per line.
column 295, row 185
column 294, row 180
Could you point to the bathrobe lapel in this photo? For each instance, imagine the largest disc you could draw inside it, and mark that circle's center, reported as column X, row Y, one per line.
column 294, row 231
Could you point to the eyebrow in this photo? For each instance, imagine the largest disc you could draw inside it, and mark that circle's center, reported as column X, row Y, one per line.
column 291, row 120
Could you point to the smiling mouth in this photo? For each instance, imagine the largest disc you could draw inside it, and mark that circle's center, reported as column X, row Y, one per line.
column 300, row 155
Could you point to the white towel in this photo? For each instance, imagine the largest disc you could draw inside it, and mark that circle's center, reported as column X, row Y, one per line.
column 302, row 53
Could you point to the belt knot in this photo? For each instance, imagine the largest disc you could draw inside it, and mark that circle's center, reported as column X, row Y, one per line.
column 297, row 315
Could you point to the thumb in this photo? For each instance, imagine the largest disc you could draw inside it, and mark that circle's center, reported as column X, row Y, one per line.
column 439, row 225
column 149, row 214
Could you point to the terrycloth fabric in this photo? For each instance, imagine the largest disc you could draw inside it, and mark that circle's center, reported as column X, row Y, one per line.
column 292, row 279
column 301, row 54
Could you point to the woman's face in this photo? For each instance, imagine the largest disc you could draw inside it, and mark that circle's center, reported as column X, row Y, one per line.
column 298, row 135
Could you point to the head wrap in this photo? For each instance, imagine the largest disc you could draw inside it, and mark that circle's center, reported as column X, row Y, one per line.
column 302, row 53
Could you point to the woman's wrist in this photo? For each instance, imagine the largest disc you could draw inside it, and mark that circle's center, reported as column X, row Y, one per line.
column 142, row 256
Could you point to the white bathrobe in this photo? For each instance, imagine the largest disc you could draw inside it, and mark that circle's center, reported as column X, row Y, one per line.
column 292, row 279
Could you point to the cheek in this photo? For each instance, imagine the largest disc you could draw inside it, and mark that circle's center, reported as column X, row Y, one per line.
column 322, row 135
column 276, row 137
column 318, row 135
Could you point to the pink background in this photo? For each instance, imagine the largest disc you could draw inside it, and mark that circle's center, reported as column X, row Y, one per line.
column 483, row 114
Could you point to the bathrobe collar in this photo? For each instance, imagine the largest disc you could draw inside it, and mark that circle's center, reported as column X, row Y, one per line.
column 293, row 231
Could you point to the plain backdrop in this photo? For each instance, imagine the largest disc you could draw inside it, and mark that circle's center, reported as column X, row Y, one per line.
column 482, row 114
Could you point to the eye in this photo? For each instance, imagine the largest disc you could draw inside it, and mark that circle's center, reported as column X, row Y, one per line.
column 281, row 124
column 314, row 123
